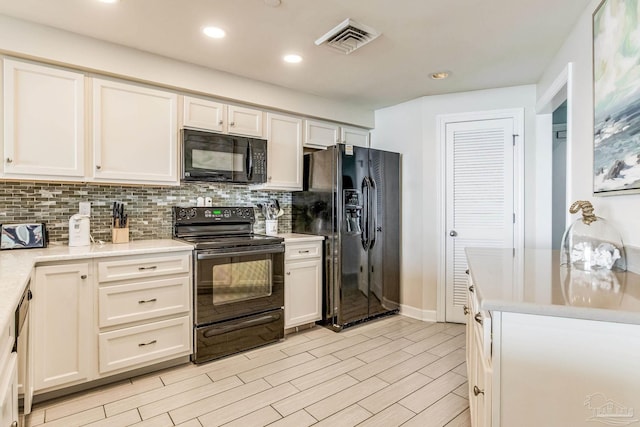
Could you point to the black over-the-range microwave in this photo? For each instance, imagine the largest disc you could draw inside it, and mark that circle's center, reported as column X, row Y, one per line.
column 209, row 156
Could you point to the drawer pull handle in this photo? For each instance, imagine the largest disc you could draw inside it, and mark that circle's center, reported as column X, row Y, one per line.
column 478, row 318
column 471, row 288
column 147, row 343
column 465, row 309
column 142, row 301
column 153, row 267
column 477, row 391
column 304, row 252
column 84, row 276
column 466, row 272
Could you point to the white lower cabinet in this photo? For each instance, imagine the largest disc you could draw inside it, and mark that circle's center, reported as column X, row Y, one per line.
column 106, row 316
column 8, row 378
column 62, row 315
column 302, row 283
column 532, row 370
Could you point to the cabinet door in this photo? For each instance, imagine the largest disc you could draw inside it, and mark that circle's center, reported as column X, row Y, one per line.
column 25, row 367
column 284, row 152
column 320, row 134
column 204, row 114
column 302, row 292
column 43, row 121
column 9, row 392
column 245, row 121
column 354, row 136
column 62, row 320
column 134, row 134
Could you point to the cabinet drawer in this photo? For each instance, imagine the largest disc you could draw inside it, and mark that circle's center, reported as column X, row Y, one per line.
column 294, row 251
column 139, row 267
column 142, row 300
column 144, row 344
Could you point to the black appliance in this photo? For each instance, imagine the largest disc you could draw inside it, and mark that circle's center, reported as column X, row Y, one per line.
column 238, row 280
column 208, row 156
column 352, row 197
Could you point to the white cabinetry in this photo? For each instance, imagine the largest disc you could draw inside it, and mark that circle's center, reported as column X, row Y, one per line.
column 62, row 315
column 354, row 136
column 302, row 283
column 218, row 117
column 43, row 122
column 134, row 134
column 284, row 152
column 318, row 134
column 141, row 317
column 144, row 310
column 479, row 361
column 8, row 378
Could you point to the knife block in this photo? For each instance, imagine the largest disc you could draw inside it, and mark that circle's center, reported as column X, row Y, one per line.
column 120, row 235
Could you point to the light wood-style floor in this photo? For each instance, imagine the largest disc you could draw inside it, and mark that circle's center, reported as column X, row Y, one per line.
column 390, row 372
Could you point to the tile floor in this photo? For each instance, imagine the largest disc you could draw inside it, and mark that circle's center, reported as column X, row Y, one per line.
column 390, row 372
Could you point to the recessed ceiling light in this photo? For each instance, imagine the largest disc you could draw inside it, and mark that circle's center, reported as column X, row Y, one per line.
column 440, row 75
column 214, row 32
column 292, row 58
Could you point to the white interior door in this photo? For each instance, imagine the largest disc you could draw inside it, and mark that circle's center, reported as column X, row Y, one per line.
column 479, row 198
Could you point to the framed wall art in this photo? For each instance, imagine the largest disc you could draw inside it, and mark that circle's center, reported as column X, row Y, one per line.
column 616, row 97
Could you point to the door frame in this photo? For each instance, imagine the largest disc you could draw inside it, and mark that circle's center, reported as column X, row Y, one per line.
column 561, row 89
column 517, row 115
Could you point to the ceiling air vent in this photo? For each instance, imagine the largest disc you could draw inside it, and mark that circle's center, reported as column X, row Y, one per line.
column 348, row 36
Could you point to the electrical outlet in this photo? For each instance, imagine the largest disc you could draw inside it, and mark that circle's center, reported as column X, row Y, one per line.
column 85, row 208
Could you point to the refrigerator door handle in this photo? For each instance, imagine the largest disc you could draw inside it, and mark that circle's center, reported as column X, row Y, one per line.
column 365, row 216
column 372, row 212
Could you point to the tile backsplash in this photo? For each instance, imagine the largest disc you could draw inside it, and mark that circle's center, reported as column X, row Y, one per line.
column 149, row 208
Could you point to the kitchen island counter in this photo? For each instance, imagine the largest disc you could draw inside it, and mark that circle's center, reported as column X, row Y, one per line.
column 531, row 281
column 16, row 265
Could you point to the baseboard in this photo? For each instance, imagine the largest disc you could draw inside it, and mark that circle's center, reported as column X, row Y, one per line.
column 416, row 313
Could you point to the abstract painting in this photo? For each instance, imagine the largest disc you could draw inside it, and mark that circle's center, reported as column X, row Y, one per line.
column 616, row 97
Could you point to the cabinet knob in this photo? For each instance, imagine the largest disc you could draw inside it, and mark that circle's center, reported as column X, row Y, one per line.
column 471, row 288
column 84, row 276
column 478, row 318
column 220, row 122
column 477, row 391
column 98, row 167
column 14, row 424
column 465, row 309
column 453, row 233
column 232, row 124
column 288, row 273
column 466, row 272
column 9, row 160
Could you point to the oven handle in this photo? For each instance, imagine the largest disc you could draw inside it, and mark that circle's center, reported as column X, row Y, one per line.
column 269, row 250
column 262, row 320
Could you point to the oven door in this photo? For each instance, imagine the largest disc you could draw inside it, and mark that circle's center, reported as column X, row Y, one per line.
column 231, row 283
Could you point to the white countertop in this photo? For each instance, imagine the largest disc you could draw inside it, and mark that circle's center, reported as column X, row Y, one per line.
column 532, row 281
column 16, row 265
column 295, row 237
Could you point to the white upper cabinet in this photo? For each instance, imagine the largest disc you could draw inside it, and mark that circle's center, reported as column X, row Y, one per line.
column 43, row 122
column 245, row 121
column 134, row 134
column 218, row 117
column 319, row 134
column 284, row 152
column 354, row 136
column 204, row 114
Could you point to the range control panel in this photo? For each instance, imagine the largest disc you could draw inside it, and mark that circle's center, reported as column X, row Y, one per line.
column 195, row 215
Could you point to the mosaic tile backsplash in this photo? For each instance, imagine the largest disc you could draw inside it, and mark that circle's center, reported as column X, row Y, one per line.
column 149, row 208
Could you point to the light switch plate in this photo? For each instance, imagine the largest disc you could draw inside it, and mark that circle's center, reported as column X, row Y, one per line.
column 85, row 208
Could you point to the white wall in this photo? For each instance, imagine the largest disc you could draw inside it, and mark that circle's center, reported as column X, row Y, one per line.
column 621, row 210
column 38, row 42
column 411, row 129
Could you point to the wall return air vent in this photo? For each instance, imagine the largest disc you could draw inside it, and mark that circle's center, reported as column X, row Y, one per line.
column 348, row 36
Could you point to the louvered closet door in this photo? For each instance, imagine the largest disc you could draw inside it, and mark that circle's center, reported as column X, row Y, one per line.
column 480, row 209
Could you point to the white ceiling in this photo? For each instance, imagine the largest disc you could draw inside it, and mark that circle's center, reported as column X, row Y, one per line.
column 483, row 43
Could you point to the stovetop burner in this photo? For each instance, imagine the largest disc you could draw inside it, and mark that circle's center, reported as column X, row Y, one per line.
column 218, row 227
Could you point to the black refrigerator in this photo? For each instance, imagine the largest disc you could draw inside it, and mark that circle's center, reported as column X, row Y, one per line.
column 351, row 195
